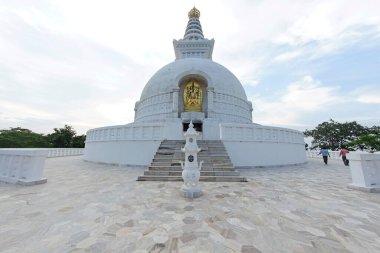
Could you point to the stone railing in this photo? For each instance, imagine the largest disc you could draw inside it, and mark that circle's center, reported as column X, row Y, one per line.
column 58, row 152
column 365, row 171
column 25, row 165
column 314, row 154
column 135, row 131
column 22, row 166
column 258, row 133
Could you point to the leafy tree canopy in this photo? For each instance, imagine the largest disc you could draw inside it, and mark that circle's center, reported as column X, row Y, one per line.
column 369, row 142
column 24, row 138
column 78, row 141
column 335, row 135
column 62, row 137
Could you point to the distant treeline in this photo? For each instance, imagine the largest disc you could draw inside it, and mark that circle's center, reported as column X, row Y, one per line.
column 351, row 135
column 18, row 137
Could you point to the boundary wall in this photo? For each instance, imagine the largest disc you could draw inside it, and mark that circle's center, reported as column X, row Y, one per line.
column 248, row 145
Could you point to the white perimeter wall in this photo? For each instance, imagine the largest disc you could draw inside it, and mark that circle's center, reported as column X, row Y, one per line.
column 22, row 165
column 132, row 144
column 248, row 145
column 129, row 152
column 254, row 145
column 256, row 154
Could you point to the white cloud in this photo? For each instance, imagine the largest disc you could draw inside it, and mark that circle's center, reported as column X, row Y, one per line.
column 16, row 112
column 113, row 112
column 309, row 95
column 274, row 31
column 56, row 78
column 288, row 56
column 369, row 94
column 329, row 27
column 327, row 20
column 302, row 97
column 249, row 82
column 369, row 98
column 86, row 63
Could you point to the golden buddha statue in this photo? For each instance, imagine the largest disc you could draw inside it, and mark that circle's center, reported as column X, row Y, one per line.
column 192, row 97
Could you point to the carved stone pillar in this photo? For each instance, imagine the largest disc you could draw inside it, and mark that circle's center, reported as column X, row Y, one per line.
column 210, row 101
column 191, row 171
column 175, row 101
column 135, row 109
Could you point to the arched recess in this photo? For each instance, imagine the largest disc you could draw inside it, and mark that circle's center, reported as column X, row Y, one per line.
column 184, row 82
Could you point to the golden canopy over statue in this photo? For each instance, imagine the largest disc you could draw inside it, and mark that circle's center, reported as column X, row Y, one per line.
column 192, row 96
column 194, row 13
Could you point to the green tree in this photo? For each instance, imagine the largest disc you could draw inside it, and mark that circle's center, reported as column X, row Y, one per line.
column 366, row 141
column 62, row 137
column 22, row 138
column 78, row 141
column 369, row 141
column 334, row 135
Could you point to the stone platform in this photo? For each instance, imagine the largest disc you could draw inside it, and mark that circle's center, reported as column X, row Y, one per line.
column 86, row 207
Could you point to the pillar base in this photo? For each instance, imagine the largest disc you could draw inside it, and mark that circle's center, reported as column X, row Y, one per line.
column 21, row 181
column 364, row 189
column 191, row 194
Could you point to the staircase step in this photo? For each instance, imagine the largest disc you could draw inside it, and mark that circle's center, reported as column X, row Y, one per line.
column 205, row 163
column 202, row 156
column 178, row 168
column 203, row 173
column 204, row 179
column 217, row 166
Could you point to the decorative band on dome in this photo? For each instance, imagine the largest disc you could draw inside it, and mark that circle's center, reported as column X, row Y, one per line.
column 194, row 13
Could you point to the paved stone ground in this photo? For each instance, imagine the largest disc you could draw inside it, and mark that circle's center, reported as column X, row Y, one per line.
column 86, row 207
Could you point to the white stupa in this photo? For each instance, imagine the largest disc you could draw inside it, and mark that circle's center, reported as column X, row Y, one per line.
column 194, row 87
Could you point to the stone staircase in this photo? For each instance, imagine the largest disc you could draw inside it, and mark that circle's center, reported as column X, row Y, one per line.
column 217, row 166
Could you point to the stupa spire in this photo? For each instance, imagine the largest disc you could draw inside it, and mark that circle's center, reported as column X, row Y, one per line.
column 194, row 28
column 193, row 44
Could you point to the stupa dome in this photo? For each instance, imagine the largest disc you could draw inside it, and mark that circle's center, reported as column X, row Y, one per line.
column 193, row 86
column 217, row 76
column 222, row 96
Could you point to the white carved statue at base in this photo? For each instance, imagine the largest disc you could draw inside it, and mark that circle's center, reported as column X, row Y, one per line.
column 191, row 171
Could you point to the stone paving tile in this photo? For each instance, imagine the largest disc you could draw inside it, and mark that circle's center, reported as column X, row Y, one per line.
column 86, row 207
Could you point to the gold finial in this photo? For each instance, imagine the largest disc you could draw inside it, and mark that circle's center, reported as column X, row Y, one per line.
column 194, row 13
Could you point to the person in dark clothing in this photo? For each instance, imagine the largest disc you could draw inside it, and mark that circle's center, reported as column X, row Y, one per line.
column 325, row 154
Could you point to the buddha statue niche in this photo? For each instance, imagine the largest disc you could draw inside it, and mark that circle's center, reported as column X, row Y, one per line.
column 192, row 97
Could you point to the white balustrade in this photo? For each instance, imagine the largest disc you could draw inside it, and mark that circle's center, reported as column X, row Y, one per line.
column 134, row 131
column 59, row 152
column 22, row 166
column 365, row 171
column 25, row 165
column 258, row 133
column 315, row 154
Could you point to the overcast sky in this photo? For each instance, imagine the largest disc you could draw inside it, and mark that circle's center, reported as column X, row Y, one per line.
column 85, row 63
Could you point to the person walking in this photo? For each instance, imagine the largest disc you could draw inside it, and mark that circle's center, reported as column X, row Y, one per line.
column 325, row 154
column 343, row 152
